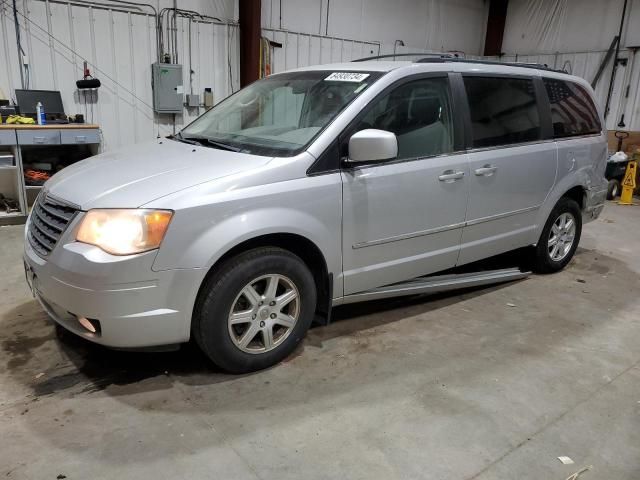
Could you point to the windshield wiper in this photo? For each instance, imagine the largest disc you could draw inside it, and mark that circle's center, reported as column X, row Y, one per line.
column 222, row 146
column 182, row 139
column 206, row 142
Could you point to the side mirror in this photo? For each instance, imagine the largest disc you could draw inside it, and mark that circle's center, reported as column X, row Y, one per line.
column 372, row 145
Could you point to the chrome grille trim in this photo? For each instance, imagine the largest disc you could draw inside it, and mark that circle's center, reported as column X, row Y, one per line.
column 49, row 219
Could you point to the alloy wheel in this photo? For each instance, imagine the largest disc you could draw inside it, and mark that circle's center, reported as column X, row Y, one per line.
column 561, row 237
column 264, row 313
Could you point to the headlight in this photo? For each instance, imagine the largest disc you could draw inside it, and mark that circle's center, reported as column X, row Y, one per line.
column 124, row 232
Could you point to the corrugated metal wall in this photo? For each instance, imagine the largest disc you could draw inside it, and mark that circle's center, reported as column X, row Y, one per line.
column 120, row 45
column 303, row 49
column 421, row 24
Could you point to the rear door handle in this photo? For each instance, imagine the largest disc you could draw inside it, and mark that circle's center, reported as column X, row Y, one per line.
column 450, row 176
column 485, row 171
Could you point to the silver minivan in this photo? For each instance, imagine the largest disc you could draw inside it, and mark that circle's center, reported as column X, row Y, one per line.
column 313, row 188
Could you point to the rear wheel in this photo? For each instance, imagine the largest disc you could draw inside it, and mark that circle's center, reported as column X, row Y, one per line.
column 560, row 237
column 255, row 310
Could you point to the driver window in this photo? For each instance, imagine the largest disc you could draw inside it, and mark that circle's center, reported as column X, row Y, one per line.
column 420, row 115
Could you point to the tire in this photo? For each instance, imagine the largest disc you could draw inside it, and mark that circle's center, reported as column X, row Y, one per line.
column 548, row 260
column 613, row 189
column 239, row 286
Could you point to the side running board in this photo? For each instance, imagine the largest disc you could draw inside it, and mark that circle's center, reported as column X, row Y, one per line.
column 437, row 284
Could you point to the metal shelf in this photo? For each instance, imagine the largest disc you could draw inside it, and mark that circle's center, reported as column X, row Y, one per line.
column 64, row 136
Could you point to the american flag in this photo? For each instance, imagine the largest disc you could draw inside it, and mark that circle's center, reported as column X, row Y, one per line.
column 571, row 105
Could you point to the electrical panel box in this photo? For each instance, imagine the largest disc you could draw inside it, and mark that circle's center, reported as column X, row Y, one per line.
column 168, row 89
column 193, row 100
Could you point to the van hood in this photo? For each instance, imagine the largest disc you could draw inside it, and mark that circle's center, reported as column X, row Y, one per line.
column 132, row 176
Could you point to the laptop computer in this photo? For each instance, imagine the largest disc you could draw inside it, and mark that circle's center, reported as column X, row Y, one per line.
column 50, row 99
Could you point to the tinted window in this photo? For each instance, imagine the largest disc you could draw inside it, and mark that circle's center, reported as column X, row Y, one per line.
column 503, row 110
column 572, row 110
column 420, row 115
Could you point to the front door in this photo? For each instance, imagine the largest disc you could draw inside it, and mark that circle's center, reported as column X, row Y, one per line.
column 403, row 218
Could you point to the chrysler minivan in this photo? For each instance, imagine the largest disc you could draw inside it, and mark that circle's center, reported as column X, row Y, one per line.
column 313, row 188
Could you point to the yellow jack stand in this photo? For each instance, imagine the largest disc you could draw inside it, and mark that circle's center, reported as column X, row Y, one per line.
column 629, row 184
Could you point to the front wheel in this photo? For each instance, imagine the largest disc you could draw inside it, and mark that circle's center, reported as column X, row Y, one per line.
column 253, row 312
column 560, row 237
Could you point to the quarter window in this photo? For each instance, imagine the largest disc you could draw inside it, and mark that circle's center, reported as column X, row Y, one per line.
column 572, row 110
column 503, row 110
column 419, row 113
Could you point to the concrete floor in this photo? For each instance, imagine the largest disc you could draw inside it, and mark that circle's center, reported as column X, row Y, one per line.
column 490, row 384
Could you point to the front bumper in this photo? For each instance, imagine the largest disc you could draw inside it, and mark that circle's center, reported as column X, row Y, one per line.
column 136, row 307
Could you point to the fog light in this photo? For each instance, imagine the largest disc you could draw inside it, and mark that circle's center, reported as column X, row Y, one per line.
column 90, row 325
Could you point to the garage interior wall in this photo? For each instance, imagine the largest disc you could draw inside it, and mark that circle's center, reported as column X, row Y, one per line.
column 575, row 35
column 118, row 40
column 422, row 25
column 119, row 43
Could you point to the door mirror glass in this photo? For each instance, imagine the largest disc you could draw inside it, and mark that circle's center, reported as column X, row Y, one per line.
column 372, row 145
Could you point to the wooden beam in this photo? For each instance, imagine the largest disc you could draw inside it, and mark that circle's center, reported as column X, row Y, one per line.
column 495, row 27
column 250, row 31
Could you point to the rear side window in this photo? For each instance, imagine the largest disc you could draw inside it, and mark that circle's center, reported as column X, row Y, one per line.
column 503, row 110
column 572, row 110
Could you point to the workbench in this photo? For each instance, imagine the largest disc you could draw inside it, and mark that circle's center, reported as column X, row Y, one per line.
column 34, row 146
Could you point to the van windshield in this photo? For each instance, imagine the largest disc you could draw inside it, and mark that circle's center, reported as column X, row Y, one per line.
column 279, row 115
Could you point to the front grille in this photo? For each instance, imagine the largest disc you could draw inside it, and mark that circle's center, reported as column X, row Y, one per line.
column 49, row 218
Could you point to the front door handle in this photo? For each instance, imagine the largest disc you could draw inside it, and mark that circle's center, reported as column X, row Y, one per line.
column 450, row 176
column 485, row 171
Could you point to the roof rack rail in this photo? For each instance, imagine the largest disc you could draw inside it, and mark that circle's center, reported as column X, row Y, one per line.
column 454, row 57
column 537, row 66
column 394, row 55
